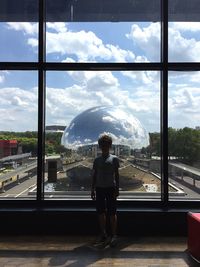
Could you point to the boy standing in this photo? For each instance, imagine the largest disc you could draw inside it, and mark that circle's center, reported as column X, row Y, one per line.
column 105, row 188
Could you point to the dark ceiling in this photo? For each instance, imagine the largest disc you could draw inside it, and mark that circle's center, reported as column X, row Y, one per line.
column 98, row 10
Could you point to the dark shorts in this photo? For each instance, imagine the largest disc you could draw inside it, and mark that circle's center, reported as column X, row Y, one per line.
column 106, row 201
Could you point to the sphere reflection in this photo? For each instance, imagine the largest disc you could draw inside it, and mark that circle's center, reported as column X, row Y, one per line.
column 123, row 127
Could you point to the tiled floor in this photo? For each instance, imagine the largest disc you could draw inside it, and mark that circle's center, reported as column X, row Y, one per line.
column 37, row 251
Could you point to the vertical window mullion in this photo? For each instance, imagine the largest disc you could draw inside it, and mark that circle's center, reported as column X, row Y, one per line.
column 164, row 103
column 41, row 101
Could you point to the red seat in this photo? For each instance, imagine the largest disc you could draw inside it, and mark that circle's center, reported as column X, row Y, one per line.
column 194, row 235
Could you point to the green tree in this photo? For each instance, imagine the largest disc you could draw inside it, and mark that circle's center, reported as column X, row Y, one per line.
column 188, row 145
column 172, row 139
column 154, row 147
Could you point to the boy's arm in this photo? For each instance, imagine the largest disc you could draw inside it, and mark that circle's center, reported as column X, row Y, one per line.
column 93, row 184
column 117, row 181
column 94, row 175
column 116, row 166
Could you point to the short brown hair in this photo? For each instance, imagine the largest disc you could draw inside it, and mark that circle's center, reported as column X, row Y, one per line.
column 105, row 140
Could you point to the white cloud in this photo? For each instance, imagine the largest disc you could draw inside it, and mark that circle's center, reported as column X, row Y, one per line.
column 182, row 49
column 87, row 46
column 33, row 42
column 65, row 103
column 112, row 93
column 186, row 26
column 120, row 55
column 2, row 78
column 147, row 39
column 19, row 106
column 57, row 26
column 18, row 109
column 26, row 27
column 95, row 80
column 83, row 45
column 16, row 97
column 103, row 99
column 146, row 78
column 188, row 79
column 194, row 77
column 140, row 94
column 181, row 46
column 184, row 101
column 108, row 118
column 101, row 80
column 69, row 59
column 16, row 101
column 2, row 75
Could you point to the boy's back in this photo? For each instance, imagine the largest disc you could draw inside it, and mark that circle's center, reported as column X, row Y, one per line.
column 105, row 170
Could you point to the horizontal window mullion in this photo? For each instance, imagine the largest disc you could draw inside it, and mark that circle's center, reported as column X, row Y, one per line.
column 19, row 66
column 103, row 66
column 186, row 66
column 79, row 66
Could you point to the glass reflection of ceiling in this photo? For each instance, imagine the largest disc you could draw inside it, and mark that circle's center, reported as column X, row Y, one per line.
column 96, row 10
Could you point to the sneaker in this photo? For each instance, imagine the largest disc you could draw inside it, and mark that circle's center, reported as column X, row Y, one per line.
column 100, row 240
column 113, row 241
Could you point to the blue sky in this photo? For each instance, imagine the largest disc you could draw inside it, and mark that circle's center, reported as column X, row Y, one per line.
column 69, row 93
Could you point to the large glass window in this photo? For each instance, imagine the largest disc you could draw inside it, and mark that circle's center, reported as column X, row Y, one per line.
column 94, row 67
column 103, row 32
column 18, row 134
column 184, row 29
column 184, row 133
column 184, row 41
column 20, row 42
column 93, row 42
column 19, row 31
column 82, row 105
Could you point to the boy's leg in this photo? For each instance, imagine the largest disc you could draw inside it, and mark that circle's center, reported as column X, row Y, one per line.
column 100, row 206
column 102, row 223
column 112, row 209
column 113, row 224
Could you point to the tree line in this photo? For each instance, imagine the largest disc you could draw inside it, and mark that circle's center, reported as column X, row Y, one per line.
column 29, row 140
column 183, row 144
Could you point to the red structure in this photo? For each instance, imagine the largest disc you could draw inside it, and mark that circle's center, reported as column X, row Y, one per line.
column 8, row 148
column 194, row 235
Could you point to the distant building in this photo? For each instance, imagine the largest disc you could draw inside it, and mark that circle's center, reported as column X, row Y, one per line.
column 55, row 128
column 94, row 150
column 14, row 160
column 8, row 148
column 197, row 128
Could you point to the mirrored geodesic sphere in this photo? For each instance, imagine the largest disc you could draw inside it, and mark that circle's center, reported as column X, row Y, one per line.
column 122, row 126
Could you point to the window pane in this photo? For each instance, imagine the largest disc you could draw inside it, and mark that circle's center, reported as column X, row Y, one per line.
column 18, row 134
column 81, row 105
column 124, row 31
column 184, row 134
column 184, row 29
column 19, row 30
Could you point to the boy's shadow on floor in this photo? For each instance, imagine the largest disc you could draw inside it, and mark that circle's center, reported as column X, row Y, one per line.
column 85, row 255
